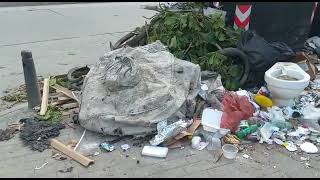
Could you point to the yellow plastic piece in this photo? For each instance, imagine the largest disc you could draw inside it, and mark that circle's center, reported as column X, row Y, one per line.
column 263, row 101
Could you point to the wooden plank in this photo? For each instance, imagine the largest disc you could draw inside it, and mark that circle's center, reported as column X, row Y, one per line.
column 71, row 153
column 64, row 90
column 63, row 98
column 70, row 105
column 45, row 94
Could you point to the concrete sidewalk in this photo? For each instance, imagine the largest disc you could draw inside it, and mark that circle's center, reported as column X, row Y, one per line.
column 62, row 36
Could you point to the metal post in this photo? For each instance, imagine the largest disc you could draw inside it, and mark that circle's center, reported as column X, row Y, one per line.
column 31, row 81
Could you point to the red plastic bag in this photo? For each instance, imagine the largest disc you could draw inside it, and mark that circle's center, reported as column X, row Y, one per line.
column 235, row 109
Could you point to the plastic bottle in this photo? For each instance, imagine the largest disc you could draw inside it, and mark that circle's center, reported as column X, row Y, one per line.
column 245, row 132
column 263, row 101
column 214, row 143
column 281, row 124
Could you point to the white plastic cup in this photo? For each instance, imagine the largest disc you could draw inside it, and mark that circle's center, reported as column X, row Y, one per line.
column 229, row 151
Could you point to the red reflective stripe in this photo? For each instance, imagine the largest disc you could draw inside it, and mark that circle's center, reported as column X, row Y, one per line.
column 240, row 24
column 244, row 8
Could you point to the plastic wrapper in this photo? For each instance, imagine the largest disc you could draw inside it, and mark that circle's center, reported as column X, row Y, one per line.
column 166, row 131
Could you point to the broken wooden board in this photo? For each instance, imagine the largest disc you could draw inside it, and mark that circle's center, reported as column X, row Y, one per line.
column 70, row 106
column 45, row 94
column 64, row 90
column 63, row 98
column 71, row 153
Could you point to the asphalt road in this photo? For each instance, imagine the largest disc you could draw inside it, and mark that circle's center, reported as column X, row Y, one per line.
column 16, row 4
column 62, row 36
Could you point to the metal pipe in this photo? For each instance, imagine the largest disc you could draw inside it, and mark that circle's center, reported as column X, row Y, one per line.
column 31, row 81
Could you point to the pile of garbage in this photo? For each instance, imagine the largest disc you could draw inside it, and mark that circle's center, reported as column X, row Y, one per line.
column 147, row 91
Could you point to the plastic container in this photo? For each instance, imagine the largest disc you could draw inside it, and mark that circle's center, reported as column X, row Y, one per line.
column 155, row 151
column 263, row 101
column 214, row 143
column 229, row 151
column 211, row 119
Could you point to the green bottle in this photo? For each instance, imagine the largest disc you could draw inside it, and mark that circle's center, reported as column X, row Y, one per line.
column 245, row 132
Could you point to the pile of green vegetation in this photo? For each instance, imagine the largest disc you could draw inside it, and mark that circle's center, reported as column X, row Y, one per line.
column 53, row 115
column 194, row 37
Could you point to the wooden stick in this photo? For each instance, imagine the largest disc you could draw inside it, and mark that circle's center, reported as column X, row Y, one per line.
column 71, row 153
column 64, row 90
column 62, row 98
column 70, row 106
column 45, row 94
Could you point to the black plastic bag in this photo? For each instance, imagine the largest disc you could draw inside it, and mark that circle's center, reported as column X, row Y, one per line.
column 262, row 55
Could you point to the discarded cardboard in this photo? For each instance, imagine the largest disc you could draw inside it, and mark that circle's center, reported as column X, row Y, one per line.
column 306, row 63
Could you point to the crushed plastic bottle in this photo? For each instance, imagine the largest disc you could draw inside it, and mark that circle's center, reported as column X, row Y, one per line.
column 245, row 132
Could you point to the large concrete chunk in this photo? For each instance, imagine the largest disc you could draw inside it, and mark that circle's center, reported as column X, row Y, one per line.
column 131, row 89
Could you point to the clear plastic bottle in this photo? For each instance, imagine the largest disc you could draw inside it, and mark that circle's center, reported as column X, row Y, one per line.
column 214, row 143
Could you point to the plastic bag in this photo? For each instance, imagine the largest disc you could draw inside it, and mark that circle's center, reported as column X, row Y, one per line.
column 262, row 55
column 235, row 109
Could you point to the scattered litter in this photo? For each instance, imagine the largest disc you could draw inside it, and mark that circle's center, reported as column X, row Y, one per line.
column 263, row 101
column 245, row 156
column 211, row 119
column 235, row 109
column 44, row 164
column 231, row 139
column 315, row 84
column 290, row 146
column 229, row 151
column 202, row 145
column 58, row 156
column 308, row 165
column 166, row 131
column 304, row 158
column 84, row 132
column 278, row 141
column 96, row 153
column 203, row 91
column 155, row 151
column 106, row 147
column 309, row 147
column 214, row 143
column 125, row 147
column 195, row 142
column 266, row 132
column 69, row 169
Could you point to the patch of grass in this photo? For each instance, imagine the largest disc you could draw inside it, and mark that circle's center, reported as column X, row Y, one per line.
column 15, row 97
column 53, row 114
